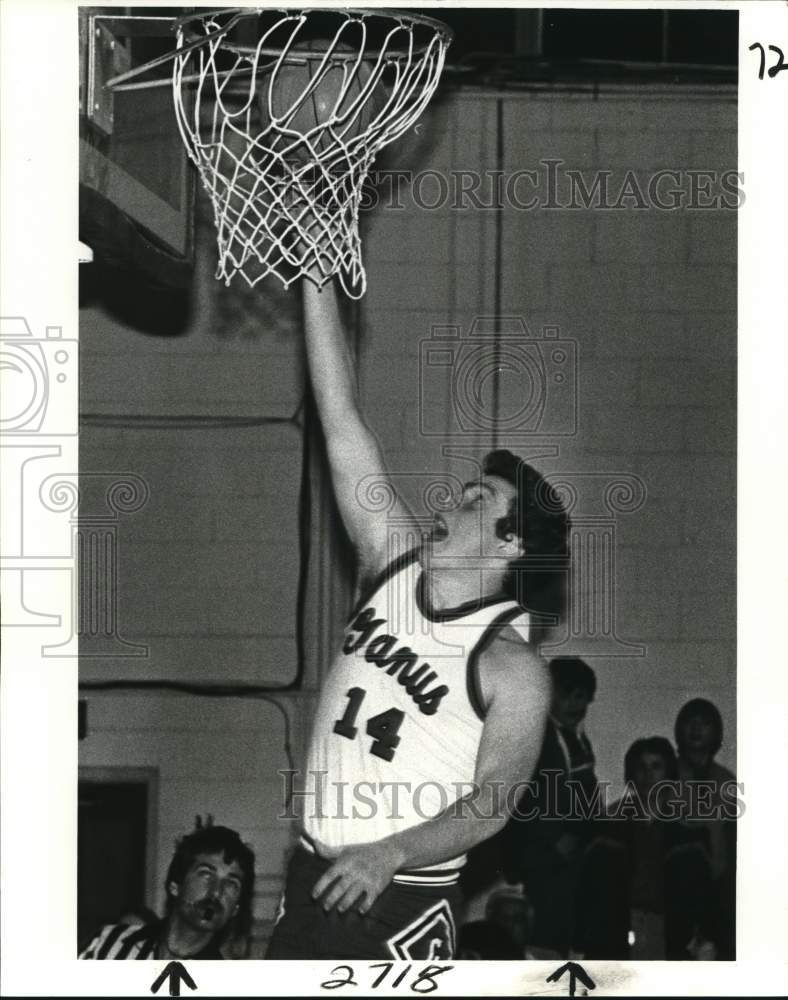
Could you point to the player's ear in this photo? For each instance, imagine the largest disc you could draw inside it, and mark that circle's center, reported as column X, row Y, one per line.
column 172, row 888
column 512, row 546
column 509, row 542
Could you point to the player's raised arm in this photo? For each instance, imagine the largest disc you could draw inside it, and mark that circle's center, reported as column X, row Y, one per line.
column 354, row 454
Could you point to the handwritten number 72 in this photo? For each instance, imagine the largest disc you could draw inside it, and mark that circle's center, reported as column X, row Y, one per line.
column 773, row 70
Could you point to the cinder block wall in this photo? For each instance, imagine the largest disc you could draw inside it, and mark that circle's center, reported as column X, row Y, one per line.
column 207, row 569
column 649, row 298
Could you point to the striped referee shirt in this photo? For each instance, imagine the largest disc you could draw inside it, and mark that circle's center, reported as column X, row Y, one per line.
column 127, row 941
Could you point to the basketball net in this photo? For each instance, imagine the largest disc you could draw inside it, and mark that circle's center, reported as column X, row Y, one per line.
column 286, row 182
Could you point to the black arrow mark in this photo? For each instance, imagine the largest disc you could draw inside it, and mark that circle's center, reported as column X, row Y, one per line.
column 575, row 972
column 175, row 972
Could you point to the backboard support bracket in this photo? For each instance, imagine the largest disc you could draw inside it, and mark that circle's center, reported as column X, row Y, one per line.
column 109, row 56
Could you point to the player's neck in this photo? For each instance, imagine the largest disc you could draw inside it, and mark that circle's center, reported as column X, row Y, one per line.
column 446, row 589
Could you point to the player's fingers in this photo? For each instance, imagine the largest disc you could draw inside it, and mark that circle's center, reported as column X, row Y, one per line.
column 374, row 892
column 325, row 881
column 367, row 901
column 334, row 894
column 354, row 893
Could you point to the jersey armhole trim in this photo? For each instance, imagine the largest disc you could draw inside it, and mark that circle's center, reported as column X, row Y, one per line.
column 394, row 567
column 472, row 682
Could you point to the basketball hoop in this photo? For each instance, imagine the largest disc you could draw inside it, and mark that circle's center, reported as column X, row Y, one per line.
column 287, row 113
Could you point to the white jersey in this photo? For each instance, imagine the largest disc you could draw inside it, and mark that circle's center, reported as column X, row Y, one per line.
column 399, row 721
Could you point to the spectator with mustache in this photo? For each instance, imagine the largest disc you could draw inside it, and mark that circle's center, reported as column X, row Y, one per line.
column 209, row 894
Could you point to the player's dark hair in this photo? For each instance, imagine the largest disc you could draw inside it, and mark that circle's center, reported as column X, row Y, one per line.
column 537, row 517
column 708, row 712
column 570, row 673
column 656, row 745
column 227, row 843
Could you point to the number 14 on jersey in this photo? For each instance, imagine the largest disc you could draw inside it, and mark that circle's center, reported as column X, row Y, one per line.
column 383, row 728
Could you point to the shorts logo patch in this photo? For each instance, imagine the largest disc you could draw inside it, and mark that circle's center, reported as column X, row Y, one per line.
column 430, row 936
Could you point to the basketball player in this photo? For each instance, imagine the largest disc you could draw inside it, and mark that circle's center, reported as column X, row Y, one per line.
column 436, row 701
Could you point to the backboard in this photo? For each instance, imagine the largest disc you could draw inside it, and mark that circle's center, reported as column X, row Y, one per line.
column 136, row 185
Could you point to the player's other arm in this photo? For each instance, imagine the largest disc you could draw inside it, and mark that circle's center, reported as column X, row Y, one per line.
column 354, row 454
column 516, row 686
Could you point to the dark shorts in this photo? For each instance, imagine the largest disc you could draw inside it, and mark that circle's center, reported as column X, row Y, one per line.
column 406, row 921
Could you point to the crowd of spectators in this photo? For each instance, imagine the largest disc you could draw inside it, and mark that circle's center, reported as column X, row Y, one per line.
column 650, row 875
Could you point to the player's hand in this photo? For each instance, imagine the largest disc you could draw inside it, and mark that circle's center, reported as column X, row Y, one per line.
column 356, row 878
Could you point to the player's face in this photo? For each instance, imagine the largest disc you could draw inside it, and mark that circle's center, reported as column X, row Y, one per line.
column 469, row 531
column 210, row 892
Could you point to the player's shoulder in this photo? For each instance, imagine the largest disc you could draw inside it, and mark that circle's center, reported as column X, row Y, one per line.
column 509, row 644
column 508, row 654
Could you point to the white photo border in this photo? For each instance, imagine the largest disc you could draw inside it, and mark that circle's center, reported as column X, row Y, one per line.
column 39, row 65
